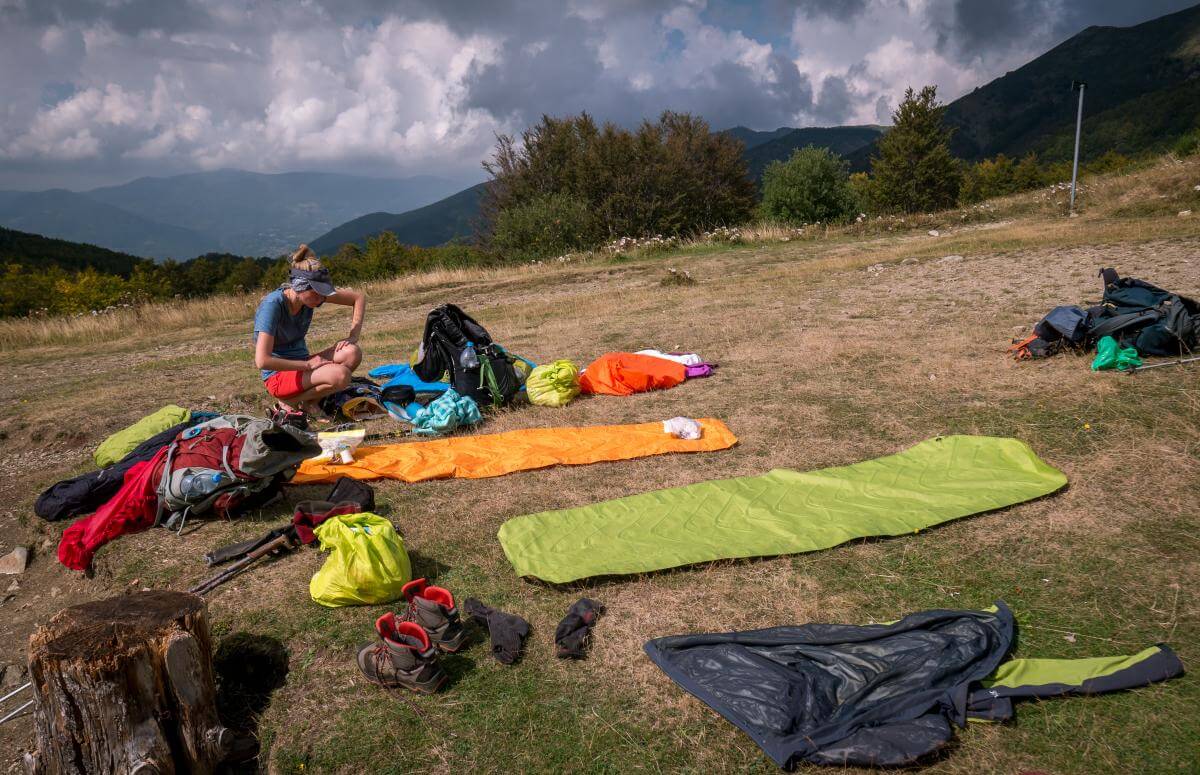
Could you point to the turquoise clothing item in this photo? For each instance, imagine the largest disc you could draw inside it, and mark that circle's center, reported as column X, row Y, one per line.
column 273, row 317
column 1110, row 355
column 447, row 413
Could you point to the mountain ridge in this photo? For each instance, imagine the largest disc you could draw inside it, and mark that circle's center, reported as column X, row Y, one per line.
column 224, row 210
column 1033, row 108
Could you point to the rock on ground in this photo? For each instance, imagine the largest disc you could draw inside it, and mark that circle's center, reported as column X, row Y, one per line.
column 14, row 561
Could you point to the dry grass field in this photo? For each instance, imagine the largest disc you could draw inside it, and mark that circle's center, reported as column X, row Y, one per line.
column 835, row 346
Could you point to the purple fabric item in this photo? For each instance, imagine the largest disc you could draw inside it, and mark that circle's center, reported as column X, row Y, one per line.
column 699, row 370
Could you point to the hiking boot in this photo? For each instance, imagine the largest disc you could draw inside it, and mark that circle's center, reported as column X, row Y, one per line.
column 404, row 657
column 434, row 610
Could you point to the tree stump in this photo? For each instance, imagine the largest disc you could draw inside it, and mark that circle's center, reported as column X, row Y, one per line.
column 125, row 685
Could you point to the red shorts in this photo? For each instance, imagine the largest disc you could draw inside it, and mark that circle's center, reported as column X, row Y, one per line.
column 285, row 384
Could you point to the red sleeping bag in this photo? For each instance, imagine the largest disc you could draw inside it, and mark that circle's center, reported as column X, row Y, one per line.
column 131, row 510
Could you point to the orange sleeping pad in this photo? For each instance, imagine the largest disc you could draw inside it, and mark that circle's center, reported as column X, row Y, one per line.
column 497, row 454
column 623, row 374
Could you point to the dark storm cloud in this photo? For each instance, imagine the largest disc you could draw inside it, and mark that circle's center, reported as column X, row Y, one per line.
column 114, row 88
column 130, row 17
column 836, row 101
column 843, row 10
column 563, row 74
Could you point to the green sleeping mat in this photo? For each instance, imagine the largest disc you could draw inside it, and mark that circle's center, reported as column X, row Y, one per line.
column 781, row 512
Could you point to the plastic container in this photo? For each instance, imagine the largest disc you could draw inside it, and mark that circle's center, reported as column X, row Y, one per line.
column 468, row 358
column 201, row 485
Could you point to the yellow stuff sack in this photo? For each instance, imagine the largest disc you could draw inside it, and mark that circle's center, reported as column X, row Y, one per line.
column 367, row 564
column 553, row 384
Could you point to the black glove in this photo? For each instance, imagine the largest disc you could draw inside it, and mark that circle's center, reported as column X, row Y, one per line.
column 573, row 632
column 507, row 630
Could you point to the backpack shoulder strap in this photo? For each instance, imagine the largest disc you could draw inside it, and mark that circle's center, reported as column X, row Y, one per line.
column 1110, row 326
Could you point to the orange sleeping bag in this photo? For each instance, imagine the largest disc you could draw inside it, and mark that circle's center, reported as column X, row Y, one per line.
column 497, row 454
column 623, row 374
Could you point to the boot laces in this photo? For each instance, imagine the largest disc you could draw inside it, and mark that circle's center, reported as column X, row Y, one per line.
column 410, row 613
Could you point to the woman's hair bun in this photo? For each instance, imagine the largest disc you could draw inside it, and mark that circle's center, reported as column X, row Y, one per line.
column 306, row 259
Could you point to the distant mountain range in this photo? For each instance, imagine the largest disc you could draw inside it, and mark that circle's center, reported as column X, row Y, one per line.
column 434, row 224
column 1143, row 91
column 233, row 211
column 753, row 137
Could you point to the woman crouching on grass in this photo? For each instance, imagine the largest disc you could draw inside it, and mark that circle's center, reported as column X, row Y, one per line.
column 300, row 380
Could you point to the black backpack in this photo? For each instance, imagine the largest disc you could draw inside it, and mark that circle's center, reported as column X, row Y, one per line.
column 454, row 343
column 1138, row 314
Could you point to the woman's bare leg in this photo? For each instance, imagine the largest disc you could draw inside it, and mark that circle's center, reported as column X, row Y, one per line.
column 318, row 383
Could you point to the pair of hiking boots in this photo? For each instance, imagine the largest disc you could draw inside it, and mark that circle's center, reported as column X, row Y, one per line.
column 405, row 656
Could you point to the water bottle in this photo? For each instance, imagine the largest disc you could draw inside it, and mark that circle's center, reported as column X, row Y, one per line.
column 467, row 358
column 199, row 486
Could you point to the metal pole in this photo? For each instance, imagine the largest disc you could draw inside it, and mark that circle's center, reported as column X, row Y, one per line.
column 16, row 691
column 17, row 712
column 1179, row 362
column 1078, row 125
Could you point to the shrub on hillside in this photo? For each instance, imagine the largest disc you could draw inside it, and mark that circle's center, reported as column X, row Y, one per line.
column 813, row 185
column 548, row 225
column 999, row 177
column 863, row 189
column 1111, row 161
column 384, row 257
column 1187, row 144
column 669, row 177
column 914, row 171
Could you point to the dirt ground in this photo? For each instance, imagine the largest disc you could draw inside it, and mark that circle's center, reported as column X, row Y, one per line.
column 830, row 352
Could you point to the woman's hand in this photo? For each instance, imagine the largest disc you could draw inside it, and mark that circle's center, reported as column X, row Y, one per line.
column 317, row 361
column 347, row 342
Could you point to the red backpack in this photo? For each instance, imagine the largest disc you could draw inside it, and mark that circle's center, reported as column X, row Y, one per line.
column 229, row 465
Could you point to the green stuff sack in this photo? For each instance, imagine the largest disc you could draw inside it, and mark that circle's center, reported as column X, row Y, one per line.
column 554, row 384
column 123, row 442
column 1110, row 355
column 367, row 566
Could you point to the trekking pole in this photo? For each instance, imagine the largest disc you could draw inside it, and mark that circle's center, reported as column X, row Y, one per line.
column 1179, row 362
column 16, row 712
column 22, row 708
column 285, row 541
column 16, row 691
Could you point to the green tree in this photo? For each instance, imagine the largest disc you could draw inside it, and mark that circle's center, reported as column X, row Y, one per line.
column 863, row 189
column 90, row 290
column 987, row 179
column 1028, row 174
column 914, row 171
column 813, row 185
column 548, row 225
column 672, row 176
column 244, row 276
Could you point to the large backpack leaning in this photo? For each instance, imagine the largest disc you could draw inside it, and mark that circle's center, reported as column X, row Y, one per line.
column 227, row 466
column 1138, row 314
column 454, row 343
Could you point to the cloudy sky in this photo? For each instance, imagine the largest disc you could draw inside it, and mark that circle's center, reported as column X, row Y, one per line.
column 107, row 90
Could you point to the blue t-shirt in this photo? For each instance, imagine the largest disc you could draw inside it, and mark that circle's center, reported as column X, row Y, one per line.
column 289, row 330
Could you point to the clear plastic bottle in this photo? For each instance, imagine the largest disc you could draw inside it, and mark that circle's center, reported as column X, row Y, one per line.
column 468, row 359
column 201, row 485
